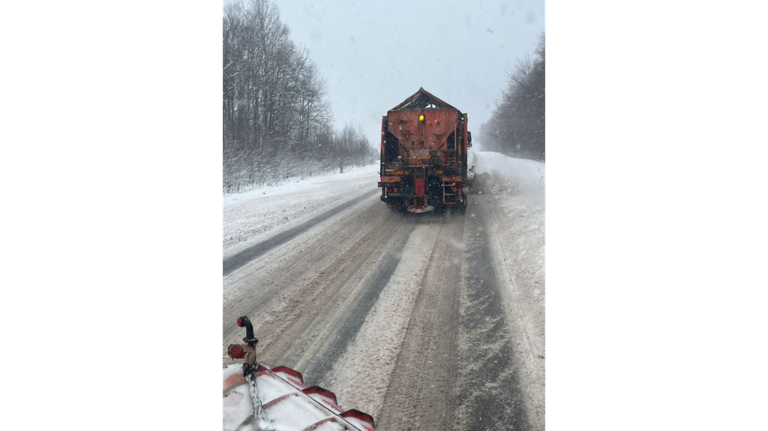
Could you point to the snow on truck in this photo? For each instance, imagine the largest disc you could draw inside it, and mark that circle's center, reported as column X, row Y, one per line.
column 260, row 397
column 424, row 143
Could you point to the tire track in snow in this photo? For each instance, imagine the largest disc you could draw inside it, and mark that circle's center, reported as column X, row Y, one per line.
column 360, row 377
column 295, row 273
column 419, row 392
column 240, row 259
column 356, row 312
column 489, row 392
column 311, row 318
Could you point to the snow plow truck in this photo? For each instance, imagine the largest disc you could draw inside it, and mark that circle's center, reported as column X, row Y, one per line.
column 424, row 143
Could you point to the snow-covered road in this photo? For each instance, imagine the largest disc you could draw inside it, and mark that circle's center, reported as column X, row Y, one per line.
column 433, row 321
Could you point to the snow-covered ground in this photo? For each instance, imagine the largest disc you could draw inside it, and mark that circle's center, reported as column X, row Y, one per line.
column 260, row 213
column 528, row 175
column 516, row 227
column 515, row 222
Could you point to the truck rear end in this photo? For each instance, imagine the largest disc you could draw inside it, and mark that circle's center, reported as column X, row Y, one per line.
column 424, row 143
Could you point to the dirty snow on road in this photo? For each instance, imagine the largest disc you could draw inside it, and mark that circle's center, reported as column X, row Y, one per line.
column 513, row 221
column 431, row 321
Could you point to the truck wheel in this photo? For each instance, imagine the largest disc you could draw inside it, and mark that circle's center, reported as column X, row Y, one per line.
column 461, row 208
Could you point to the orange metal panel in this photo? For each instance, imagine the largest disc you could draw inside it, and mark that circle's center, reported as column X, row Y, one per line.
column 418, row 137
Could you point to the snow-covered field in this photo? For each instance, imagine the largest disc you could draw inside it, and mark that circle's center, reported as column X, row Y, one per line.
column 385, row 308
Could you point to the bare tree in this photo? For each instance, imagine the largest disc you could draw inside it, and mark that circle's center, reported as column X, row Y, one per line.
column 276, row 115
column 517, row 126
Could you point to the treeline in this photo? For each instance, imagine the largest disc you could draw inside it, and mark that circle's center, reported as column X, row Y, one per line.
column 277, row 120
column 517, row 125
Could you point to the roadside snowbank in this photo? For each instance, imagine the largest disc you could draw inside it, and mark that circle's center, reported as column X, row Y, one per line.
column 528, row 175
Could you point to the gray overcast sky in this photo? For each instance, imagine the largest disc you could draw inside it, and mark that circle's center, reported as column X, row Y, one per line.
column 374, row 54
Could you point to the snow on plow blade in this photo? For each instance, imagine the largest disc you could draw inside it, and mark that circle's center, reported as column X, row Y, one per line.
column 290, row 405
